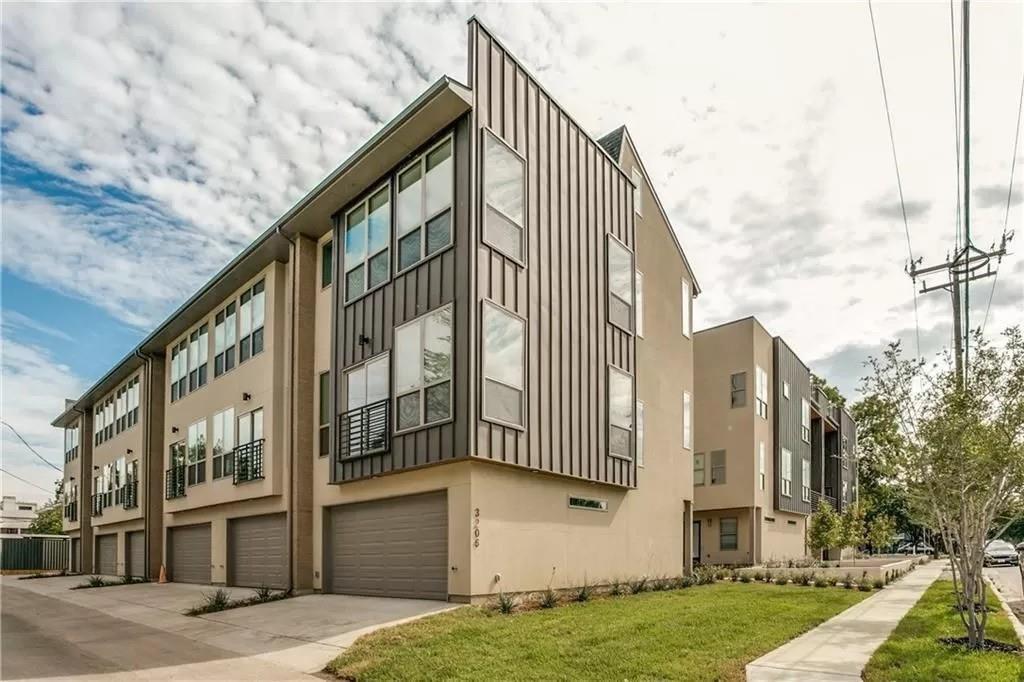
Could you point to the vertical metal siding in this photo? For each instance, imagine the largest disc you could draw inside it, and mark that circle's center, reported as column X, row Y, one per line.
column 576, row 195
column 788, row 367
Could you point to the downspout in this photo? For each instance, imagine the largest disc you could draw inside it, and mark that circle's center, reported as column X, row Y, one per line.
column 81, row 423
column 292, row 323
column 146, row 455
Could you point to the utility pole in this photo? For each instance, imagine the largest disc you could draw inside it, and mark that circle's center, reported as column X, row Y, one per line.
column 969, row 263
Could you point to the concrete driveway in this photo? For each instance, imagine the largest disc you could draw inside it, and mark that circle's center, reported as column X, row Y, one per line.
column 284, row 638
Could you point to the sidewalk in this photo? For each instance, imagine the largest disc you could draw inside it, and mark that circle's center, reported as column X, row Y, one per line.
column 838, row 649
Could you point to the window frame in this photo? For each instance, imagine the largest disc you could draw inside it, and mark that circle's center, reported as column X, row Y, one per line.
column 686, row 308
column 521, row 261
column 364, row 203
column 199, row 464
column 724, row 466
column 327, row 264
column 202, row 366
column 735, row 535
column 700, row 457
column 805, row 426
column 608, row 289
column 734, row 391
column 687, row 421
column 761, row 463
column 483, row 369
column 608, row 414
column 227, row 456
column 761, row 391
column 421, row 158
column 229, row 350
column 251, row 335
column 638, row 421
column 805, row 479
column 637, row 176
column 786, row 475
column 638, row 303
column 421, row 389
column 324, row 402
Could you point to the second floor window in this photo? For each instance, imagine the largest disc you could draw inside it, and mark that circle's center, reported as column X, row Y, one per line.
column 504, row 365
column 787, row 473
column 718, row 467
column 505, row 194
column 761, row 463
column 620, row 284
column 698, row 468
column 424, row 202
column 761, row 392
column 196, row 460
column 423, row 370
column 198, row 350
column 224, row 330
column 620, row 413
column 71, row 443
column 738, row 389
column 250, row 427
column 223, row 443
column 687, row 421
column 367, row 244
column 805, row 479
column 326, row 264
column 805, row 420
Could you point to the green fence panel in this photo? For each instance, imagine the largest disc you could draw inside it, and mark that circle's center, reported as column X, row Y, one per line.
column 26, row 553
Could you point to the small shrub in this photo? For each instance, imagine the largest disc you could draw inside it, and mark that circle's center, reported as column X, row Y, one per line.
column 506, row 603
column 217, row 600
column 877, row 583
column 263, row 593
column 584, row 593
column 744, row 577
column 848, row 581
column 767, row 576
column 705, row 575
column 758, row 576
column 96, row 581
column 639, row 585
column 684, row 581
column 805, row 578
column 616, row 588
column 864, row 585
column 549, row 600
column 723, row 574
column 821, row 582
column 782, row 579
column 831, row 581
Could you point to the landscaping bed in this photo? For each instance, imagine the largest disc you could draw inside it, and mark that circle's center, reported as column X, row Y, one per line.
column 703, row 632
column 915, row 650
column 220, row 600
column 875, row 568
column 96, row 581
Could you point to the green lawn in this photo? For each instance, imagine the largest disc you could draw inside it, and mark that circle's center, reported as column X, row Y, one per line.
column 707, row 632
column 912, row 652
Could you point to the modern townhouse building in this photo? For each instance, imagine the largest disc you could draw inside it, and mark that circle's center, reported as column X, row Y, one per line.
column 462, row 364
column 770, row 447
column 16, row 516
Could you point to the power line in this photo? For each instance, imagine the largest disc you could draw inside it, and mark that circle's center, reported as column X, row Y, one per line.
column 48, row 462
column 896, row 164
column 48, row 492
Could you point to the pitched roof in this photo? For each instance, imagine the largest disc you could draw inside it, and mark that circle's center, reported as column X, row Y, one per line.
column 612, row 142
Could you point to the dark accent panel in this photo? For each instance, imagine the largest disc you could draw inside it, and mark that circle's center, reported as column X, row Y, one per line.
column 788, row 367
column 575, row 196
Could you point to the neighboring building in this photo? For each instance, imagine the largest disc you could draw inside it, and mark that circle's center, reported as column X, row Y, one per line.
column 15, row 516
column 770, row 447
column 462, row 364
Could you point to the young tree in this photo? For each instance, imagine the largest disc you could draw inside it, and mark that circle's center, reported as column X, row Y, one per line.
column 830, row 391
column 880, row 532
column 49, row 521
column 963, row 460
column 853, row 530
column 826, row 529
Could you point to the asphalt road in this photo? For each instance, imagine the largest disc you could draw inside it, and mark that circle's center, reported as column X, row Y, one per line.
column 43, row 637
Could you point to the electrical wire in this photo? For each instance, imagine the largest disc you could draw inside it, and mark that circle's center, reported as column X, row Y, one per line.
column 46, row 461
column 48, row 492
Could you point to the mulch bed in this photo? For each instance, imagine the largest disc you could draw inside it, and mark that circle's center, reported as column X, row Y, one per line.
column 989, row 645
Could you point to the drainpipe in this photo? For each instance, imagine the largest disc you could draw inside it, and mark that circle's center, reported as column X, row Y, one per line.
column 146, row 455
column 289, row 510
column 81, row 422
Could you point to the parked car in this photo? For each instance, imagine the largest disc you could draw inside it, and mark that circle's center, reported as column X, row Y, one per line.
column 1001, row 553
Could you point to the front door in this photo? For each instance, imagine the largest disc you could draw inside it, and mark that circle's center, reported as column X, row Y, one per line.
column 696, row 542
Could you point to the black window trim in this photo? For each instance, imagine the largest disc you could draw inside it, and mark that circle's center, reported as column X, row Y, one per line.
column 608, row 289
column 338, row 267
column 420, row 157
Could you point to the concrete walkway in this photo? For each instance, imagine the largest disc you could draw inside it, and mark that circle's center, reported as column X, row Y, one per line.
column 838, row 649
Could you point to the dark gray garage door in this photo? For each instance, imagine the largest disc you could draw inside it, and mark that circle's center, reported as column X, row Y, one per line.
column 257, row 551
column 135, row 552
column 76, row 554
column 106, row 554
column 393, row 548
column 189, row 549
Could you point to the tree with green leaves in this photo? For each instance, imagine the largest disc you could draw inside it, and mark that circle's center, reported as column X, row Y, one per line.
column 49, row 521
column 853, row 529
column 826, row 529
column 962, row 458
column 880, row 532
column 830, row 391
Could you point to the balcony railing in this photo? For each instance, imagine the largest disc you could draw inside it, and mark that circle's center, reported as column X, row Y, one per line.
column 71, row 511
column 248, row 462
column 97, row 504
column 364, row 430
column 130, row 495
column 175, row 482
column 817, row 499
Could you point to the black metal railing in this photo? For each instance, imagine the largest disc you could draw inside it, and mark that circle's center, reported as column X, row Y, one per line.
column 130, row 495
column 248, row 462
column 175, row 482
column 365, row 430
column 97, row 504
column 817, row 499
column 71, row 511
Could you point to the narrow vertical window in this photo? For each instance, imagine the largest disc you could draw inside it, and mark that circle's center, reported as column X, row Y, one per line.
column 687, row 421
column 423, row 212
column 367, row 244
column 718, row 467
column 223, row 442
column 785, row 390
column 761, row 392
column 363, row 427
column 325, row 413
column 805, row 420
column 620, row 284
column 504, row 365
column 640, row 433
column 761, row 463
column 686, row 309
column 251, row 318
column 738, row 390
column 198, row 351
column 639, row 303
column 423, row 370
column 638, row 192
column 196, row 453
column 620, row 413
column 224, row 333
column 698, row 468
column 728, row 535
column 805, row 479
column 326, row 264
column 787, row 472
column 505, row 194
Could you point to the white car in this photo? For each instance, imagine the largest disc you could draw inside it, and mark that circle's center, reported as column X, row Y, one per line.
column 1001, row 553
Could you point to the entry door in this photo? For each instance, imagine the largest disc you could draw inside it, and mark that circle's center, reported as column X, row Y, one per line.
column 696, row 542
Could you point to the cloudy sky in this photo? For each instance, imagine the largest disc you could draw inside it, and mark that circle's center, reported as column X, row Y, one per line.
column 144, row 145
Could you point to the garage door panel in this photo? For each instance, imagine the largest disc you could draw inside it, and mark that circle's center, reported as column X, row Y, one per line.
column 396, row 547
column 258, row 551
column 189, row 548
column 135, row 547
column 106, row 554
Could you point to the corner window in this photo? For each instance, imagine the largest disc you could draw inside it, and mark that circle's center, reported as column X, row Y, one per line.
column 738, row 390
column 718, row 467
column 504, row 365
column 133, row 402
column 639, row 303
column 728, row 534
column 505, row 195
column 363, row 426
column 325, row 413
column 761, row 392
column 620, row 413
column 698, row 468
column 687, row 309
column 620, row 284
column 785, row 390
column 687, row 421
column 805, row 420
column 224, row 333
column 251, row 313
column 805, row 479
column 761, row 463
column 224, row 443
column 640, row 433
column 198, row 350
column 326, row 264
column 424, row 202
column 423, row 370
column 787, row 473
column 367, row 244
column 638, row 192
column 196, row 453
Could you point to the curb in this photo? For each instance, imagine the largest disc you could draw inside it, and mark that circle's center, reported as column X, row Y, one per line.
column 1014, row 621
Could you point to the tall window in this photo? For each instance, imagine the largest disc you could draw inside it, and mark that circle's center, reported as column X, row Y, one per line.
column 363, row 429
column 326, row 263
column 364, row 385
column 179, row 370
column 223, row 443
column 805, row 420
column 843, row 453
column 787, row 472
column 325, row 413
column 738, row 389
column 367, row 244
column 638, row 192
column 97, row 424
column 250, row 427
column 505, row 194
column 196, row 453
column 698, row 468
column 251, row 315
column 728, row 535
column 805, row 479
column 224, row 331
column 178, row 454
column 620, row 413
column 423, row 214
column 845, row 491
column 761, row 463
column 121, row 409
column 687, row 308
column 504, row 365
column 198, row 350
column 639, row 303
column 133, row 402
column 620, row 284
column 687, row 421
column 761, row 392
column 717, row 467
column 108, row 418
column 785, row 390
column 423, row 370
column 640, row 433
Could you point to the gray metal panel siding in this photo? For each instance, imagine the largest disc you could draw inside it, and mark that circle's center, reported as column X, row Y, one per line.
column 788, row 367
column 76, row 554
column 258, row 551
column 576, row 196
column 847, row 429
column 189, row 550
column 106, row 554
column 396, row 547
column 435, row 282
column 135, row 553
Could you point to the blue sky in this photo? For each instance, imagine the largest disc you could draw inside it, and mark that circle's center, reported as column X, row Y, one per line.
column 144, row 145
